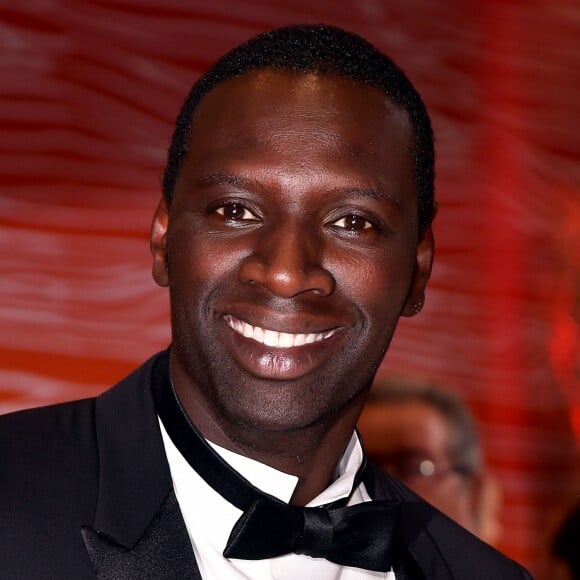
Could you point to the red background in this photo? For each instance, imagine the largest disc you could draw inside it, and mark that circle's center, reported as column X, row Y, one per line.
column 89, row 92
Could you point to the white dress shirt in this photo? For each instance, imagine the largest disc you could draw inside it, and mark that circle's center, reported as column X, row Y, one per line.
column 209, row 518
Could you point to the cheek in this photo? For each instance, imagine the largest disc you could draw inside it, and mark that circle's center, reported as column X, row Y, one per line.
column 376, row 282
column 196, row 262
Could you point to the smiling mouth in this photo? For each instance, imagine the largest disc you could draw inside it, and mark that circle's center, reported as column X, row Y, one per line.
column 273, row 338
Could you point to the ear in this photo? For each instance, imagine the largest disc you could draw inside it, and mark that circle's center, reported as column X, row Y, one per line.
column 490, row 502
column 421, row 275
column 158, row 244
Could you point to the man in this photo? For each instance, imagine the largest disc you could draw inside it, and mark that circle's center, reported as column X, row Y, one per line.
column 426, row 437
column 293, row 232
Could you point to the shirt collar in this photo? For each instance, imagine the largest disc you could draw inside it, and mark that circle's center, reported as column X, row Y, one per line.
column 282, row 485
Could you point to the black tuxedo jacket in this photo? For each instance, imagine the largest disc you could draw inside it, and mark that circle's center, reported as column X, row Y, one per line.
column 86, row 492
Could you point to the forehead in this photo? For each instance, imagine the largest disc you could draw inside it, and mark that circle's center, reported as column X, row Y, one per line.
column 301, row 127
column 274, row 102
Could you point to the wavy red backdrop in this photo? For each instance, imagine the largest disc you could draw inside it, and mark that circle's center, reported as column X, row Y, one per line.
column 88, row 96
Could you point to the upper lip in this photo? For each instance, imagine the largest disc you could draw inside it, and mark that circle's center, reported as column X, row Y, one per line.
column 288, row 324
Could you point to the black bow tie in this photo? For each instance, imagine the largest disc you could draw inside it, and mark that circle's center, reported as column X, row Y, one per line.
column 361, row 535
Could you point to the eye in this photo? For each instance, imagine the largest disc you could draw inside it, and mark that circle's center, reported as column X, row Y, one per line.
column 235, row 212
column 353, row 223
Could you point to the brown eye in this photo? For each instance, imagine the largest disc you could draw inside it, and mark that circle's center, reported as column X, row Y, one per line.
column 235, row 212
column 353, row 223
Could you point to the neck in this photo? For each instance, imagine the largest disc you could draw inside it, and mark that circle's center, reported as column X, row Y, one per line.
column 310, row 453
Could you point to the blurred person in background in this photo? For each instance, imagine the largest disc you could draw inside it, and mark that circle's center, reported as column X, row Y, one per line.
column 427, row 438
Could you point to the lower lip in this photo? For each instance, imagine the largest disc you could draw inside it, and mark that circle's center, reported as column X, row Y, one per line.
column 267, row 362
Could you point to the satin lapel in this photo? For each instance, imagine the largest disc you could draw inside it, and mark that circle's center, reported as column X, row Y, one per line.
column 163, row 553
column 416, row 519
column 136, row 512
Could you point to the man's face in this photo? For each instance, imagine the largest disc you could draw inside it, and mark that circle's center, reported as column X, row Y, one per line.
column 411, row 441
column 291, row 248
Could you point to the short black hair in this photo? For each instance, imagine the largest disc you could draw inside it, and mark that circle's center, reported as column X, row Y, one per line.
column 319, row 49
column 463, row 449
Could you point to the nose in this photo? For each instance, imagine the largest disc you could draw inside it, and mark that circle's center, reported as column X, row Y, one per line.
column 287, row 262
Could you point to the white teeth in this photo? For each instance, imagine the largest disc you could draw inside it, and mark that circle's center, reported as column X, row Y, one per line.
column 258, row 334
column 272, row 337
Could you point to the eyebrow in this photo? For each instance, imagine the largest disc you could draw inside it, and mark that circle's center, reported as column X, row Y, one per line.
column 373, row 194
column 220, row 178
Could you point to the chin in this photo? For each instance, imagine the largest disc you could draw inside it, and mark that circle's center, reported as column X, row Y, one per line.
column 270, row 417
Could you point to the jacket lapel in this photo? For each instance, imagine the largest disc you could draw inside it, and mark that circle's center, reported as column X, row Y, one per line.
column 138, row 530
column 415, row 520
column 163, row 552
